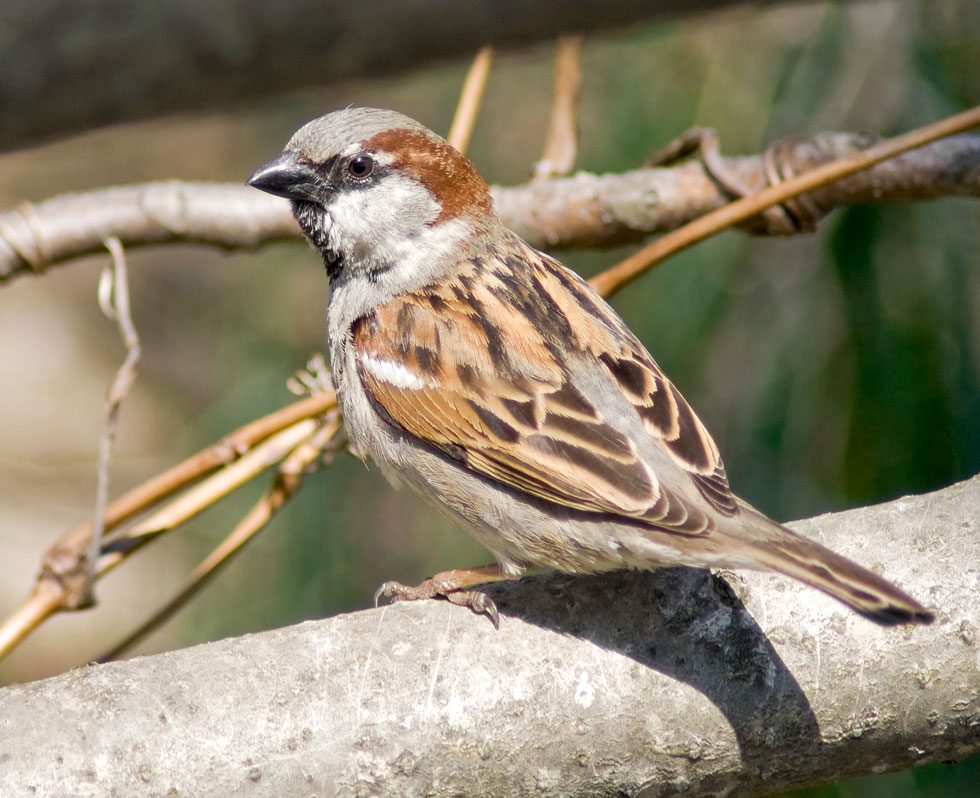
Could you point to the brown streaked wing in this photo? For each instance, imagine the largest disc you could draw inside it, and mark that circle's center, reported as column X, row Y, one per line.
column 666, row 414
column 668, row 417
column 509, row 413
column 497, row 395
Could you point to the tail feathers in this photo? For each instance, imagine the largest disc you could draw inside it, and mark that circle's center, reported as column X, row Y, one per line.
column 864, row 592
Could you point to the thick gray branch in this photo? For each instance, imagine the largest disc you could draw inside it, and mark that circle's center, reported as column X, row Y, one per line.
column 629, row 684
column 68, row 66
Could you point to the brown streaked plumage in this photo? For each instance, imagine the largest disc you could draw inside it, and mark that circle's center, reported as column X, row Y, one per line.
column 500, row 386
column 518, row 418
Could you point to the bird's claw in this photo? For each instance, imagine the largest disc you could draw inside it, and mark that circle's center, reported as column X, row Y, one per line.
column 476, row 600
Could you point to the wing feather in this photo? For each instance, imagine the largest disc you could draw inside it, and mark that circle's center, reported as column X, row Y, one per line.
column 502, row 399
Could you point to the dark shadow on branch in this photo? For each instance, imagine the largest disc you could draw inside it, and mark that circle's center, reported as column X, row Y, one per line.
column 708, row 640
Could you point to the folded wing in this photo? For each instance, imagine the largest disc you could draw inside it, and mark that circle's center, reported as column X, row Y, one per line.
column 506, row 399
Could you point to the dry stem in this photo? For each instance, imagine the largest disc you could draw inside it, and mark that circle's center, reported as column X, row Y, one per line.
column 561, row 144
column 469, row 99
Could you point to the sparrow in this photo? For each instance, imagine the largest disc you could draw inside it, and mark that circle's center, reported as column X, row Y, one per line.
column 501, row 387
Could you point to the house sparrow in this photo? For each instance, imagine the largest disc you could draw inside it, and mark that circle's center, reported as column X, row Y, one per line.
column 496, row 383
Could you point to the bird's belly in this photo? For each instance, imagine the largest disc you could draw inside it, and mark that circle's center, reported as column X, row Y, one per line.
column 520, row 530
column 523, row 532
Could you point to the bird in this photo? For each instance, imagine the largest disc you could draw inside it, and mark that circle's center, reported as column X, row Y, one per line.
column 497, row 384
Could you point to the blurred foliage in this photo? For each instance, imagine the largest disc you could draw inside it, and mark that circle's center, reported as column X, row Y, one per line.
column 837, row 369
column 929, row 781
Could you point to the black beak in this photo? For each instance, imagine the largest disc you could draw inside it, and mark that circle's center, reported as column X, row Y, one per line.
column 288, row 176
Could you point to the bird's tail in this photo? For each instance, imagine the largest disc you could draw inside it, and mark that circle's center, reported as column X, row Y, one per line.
column 864, row 592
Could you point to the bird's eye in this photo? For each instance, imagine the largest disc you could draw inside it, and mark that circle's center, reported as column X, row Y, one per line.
column 360, row 166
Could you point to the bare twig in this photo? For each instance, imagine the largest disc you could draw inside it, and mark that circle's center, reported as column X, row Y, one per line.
column 560, row 145
column 322, row 444
column 66, row 566
column 286, row 483
column 206, row 493
column 114, row 301
column 469, row 99
column 63, row 562
column 705, row 140
column 632, row 267
column 45, row 599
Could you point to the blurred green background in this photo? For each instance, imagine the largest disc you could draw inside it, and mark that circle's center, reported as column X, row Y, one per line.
column 835, row 370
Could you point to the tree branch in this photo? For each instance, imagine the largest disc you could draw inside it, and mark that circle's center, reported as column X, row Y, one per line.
column 581, row 211
column 632, row 684
column 62, row 70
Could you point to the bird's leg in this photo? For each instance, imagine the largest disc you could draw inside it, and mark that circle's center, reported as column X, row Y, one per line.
column 450, row 585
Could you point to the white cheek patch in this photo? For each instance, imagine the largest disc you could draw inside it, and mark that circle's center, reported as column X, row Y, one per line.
column 385, row 214
column 392, row 372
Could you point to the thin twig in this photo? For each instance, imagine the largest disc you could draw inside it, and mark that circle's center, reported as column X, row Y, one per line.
column 611, row 280
column 52, row 592
column 706, row 141
column 469, row 99
column 561, row 143
column 45, row 599
column 206, row 493
column 284, row 487
column 56, row 591
column 114, row 301
column 225, row 451
column 322, row 444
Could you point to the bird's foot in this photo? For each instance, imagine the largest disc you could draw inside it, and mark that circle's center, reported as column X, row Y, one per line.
column 449, row 585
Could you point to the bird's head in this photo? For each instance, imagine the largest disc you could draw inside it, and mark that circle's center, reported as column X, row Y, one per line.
column 382, row 197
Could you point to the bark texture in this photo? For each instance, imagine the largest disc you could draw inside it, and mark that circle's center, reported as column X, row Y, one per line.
column 647, row 685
